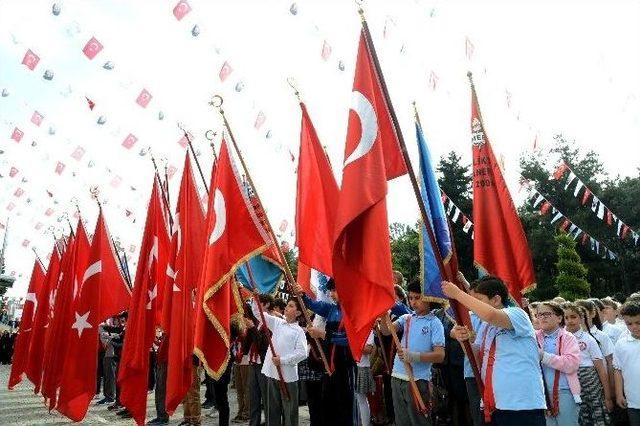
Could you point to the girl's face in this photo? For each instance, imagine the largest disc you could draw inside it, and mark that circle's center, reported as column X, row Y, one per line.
column 609, row 313
column 547, row 319
column 572, row 320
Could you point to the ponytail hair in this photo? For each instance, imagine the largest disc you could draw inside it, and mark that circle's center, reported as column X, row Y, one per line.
column 591, row 307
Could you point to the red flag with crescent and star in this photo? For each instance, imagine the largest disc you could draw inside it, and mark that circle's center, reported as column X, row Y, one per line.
column 103, row 294
column 316, row 201
column 362, row 254
column 185, row 264
column 234, row 234
column 133, row 374
column 25, row 332
column 500, row 244
column 41, row 321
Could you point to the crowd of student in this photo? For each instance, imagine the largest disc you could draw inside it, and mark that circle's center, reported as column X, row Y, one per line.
column 553, row 362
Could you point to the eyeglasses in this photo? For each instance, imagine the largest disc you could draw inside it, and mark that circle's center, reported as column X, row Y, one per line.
column 544, row 315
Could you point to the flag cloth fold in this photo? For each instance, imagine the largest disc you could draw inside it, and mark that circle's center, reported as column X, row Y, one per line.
column 25, row 332
column 362, row 255
column 103, row 294
column 133, row 373
column 234, row 235
column 316, row 202
column 500, row 245
column 185, row 264
column 265, row 273
column 40, row 322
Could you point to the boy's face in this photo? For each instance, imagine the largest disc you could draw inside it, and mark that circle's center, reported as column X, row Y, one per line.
column 417, row 303
column 334, row 295
column 633, row 324
column 291, row 311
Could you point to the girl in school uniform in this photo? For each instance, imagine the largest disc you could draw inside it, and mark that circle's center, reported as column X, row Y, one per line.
column 594, row 383
column 507, row 353
column 365, row 384
column 560, row 359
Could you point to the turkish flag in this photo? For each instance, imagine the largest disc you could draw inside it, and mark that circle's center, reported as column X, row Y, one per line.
column 91, row 104
column 326, row 50
column 362, row 254
column 11, row 206
column 144, row 308
column 116, row 181
column 181, row 9
column 230, row 215
column 25, row 243
column 171, row 170
column 25, row 332
column 225, row 71
column 48, row 212
column 129, row 141
column 36, row 118
column 260, row 119
column 57, row 337
column 316, row 201
column 499, row 245
column 185, row 259
column 83, row 249
column 33, row 368
column 92, row 48
column 13, row 172
column 18, row 192
column 17, row 134
column 78, row 153
column 30, row 59
column 103, row 294
column 144, row 98
column 60, row 167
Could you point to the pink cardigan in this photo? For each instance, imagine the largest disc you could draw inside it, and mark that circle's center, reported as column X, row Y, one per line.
column 567, row 362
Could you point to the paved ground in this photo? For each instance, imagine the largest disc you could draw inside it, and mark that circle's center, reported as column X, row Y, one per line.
column 22, row 407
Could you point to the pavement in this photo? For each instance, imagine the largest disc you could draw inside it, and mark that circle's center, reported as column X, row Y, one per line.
column 21, row 407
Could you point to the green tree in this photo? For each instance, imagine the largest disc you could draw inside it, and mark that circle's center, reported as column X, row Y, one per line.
column 405, row 250
column 570, row 281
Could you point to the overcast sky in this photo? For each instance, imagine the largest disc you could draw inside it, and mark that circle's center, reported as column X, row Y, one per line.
column 540, row 67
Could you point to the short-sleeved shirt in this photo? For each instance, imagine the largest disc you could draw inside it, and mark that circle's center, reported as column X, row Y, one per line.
column 365, row 359
column 626, row 358
column 475, row 325
column 613, row 331
column 606, row 346
column 517, row 380
column 423, row 332
column 550, row 345
column 589, row 349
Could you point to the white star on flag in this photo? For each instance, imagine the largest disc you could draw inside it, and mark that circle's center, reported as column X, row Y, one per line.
column 152, row 295
column 81, row 323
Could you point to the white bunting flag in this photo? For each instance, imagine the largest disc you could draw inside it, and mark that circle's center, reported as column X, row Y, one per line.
column 456, row 214
column 539, row 199
column 467, row 226
column 556, row 217
column 579, row 186
column 570, row 179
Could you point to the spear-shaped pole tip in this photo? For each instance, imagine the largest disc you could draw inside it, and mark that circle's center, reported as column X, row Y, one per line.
column 292, row 83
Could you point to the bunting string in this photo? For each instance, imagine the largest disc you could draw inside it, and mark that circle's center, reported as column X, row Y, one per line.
column 582, row 192
column 456, row 215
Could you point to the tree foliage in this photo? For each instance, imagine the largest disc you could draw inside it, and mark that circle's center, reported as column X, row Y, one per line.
column 570, row 281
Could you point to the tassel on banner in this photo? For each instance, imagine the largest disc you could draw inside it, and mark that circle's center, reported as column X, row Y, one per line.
column 585, row 197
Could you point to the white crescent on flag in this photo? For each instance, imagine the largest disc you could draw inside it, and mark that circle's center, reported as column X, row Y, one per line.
column 369, row 123
column 92, row 270
column 220, row 210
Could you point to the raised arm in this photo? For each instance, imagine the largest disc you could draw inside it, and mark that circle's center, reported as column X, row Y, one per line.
column 484, row 311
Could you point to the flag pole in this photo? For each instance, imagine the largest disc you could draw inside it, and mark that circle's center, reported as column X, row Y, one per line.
column 165, row 196
column 193, row 152
column 283, row 386
column 38, row 258
column 217, row 103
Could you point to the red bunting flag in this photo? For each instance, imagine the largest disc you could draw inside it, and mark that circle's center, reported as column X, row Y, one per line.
column 544, row 209
column 116, row 181
column 183, row 142
column 25, row 243
column 30, row 59
column 609, row 217
column 171, row 171
column 316, row 201
column 500, row 244
column 18, row 192
column 90, row 103
column 129, row 141
column 48, row 212
column 60, row 167
column 36, row 118
column 144, row 308
column 44, row 302
column 11, row 206
column 13, row 171
column 560, row 171
column 78, row 153
column 92, row 48
column 25, row 332
column 625, row 232
column 185, row 262
column 586, row 195
column 230, row 214
column 362, row 253
column 17, row 134
column 585, row 237
column 103, row 293
column 225, row 71
column 326, row 50
column 38, row 226
column 181, row 9
column 144, row 98
column 565, row 224
column 260, row 119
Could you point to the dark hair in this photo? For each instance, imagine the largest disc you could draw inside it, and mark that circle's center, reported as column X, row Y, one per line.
column 534, row 305
column 591, row 307
column 630, row 309
column 598, row 303
column 582, row 310
column 414, row 286
column 331, row 284
column 400, row 294
column 266, row 299
column 300, row 307
column 491, row 286
column 556, row 308
column 279, row 303
column 607, row 301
